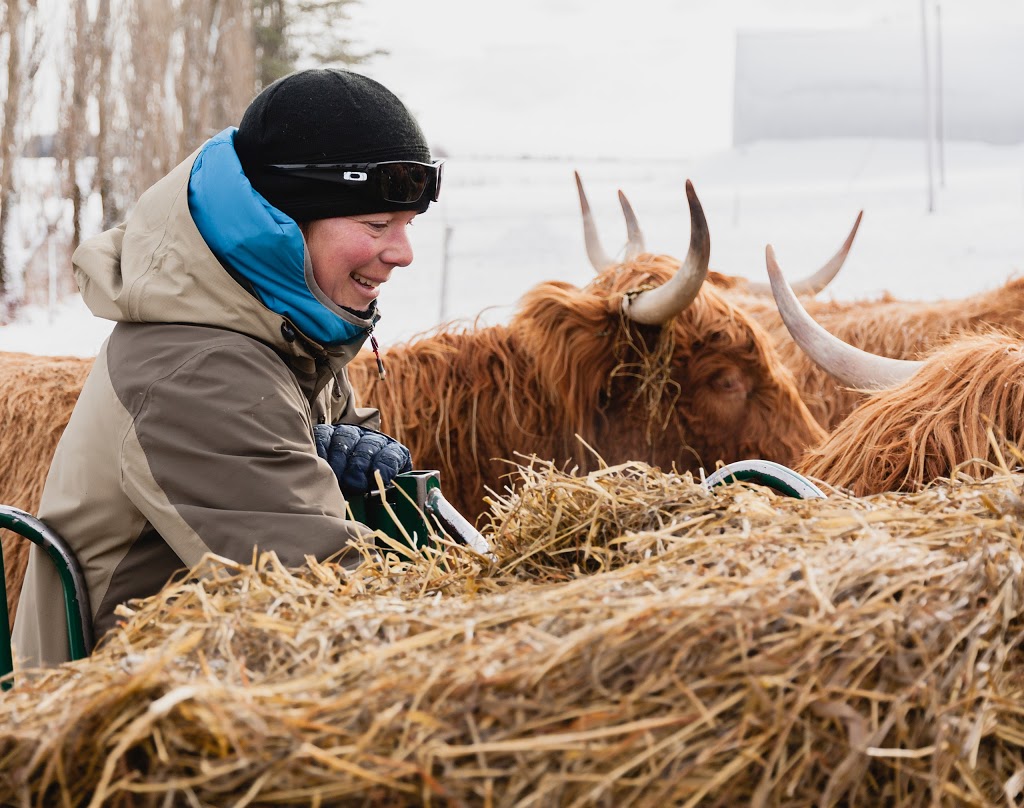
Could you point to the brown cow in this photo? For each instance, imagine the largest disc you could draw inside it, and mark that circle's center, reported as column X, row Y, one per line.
column 962, row 408
column 675, row 375
column 897, row 329
column 825, row 399
column 934, row 423
column 888, row 327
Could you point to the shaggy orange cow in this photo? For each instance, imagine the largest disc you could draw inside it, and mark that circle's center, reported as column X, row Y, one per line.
column 888, row 327
column 827, row 401
column 897, row 329
column 647, row 362
column 959, row 410
column 934, row 424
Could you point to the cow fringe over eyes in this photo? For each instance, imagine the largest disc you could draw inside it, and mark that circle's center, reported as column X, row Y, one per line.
column 656, row 391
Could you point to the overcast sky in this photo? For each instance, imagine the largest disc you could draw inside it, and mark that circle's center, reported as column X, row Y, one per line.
column 598, row 77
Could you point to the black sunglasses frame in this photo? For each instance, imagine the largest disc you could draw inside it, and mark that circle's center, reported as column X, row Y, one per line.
column 361, row 174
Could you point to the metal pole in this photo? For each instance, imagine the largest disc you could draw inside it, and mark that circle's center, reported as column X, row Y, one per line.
column 927, row 105
column 51, row 288
column 940, row 118
column 443, row 316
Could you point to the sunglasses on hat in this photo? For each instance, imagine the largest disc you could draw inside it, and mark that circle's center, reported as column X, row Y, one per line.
column 395, row 181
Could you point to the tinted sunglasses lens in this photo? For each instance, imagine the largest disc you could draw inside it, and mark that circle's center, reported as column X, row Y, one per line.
column 403, row 182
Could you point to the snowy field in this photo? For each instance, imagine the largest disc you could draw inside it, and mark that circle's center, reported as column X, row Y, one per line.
column 510, row 223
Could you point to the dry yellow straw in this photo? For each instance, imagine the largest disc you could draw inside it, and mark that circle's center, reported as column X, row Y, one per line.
column 639, row 641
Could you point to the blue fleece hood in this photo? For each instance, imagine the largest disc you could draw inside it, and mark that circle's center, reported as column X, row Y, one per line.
column 258, row 242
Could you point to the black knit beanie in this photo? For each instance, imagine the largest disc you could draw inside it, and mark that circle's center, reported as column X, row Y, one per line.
column 326, row 115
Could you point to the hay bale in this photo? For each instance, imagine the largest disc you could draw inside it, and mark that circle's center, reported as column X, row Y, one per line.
column 638, row 641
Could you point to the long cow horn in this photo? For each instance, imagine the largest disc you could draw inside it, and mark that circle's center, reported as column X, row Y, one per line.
column 595, row 252
column 658, row 306
column 850, row 366
column 813, row 284
column 635, row 245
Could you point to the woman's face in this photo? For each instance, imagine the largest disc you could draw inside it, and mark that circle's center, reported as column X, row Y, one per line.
column 353, row 255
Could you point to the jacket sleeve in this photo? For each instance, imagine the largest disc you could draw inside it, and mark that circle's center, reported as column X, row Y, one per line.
column 221, row 458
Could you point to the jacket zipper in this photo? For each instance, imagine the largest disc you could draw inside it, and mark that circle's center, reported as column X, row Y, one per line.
column 381, row 372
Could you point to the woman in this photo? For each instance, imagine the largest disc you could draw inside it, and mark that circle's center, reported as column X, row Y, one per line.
column 242, row 284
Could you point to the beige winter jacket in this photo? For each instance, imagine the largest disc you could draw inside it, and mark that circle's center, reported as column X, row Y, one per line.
column 193, row 433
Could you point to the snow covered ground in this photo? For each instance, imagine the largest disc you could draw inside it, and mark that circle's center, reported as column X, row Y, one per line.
column 510, row 223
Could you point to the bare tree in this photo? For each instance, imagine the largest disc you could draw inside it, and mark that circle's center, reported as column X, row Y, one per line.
column 200, row 22
column 185, row 71
column 12, row 24
column 103, row 178
column 234, row 74
column 153, row 122
column 216, row 81
column 24, row 53
column 72, row 139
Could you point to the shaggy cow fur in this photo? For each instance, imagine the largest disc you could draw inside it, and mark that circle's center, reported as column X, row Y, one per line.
column 568, row 364
column 36, row 399
column 936, row 422
column 887, row 327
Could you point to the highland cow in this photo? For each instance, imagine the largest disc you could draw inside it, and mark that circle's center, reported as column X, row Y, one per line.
column 647, row 362
column 962, row 411
column 959, row 410
column 826, row 400
column 738, row 284
column 887, row 327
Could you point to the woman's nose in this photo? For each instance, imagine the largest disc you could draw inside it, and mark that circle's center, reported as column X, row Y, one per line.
column 399, row 249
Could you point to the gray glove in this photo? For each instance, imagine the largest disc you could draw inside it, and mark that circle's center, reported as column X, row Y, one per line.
column 355, row 453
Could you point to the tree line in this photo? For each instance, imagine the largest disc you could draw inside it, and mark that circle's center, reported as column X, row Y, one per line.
column 141, row 84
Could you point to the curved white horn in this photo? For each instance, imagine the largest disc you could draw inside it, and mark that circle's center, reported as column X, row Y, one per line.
column 850, row 366
column 635, row 245
column 595, row 252
column 813, row 284
column 658, row 306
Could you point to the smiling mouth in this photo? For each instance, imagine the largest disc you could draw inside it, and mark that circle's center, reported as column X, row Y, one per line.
column 365, row 282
